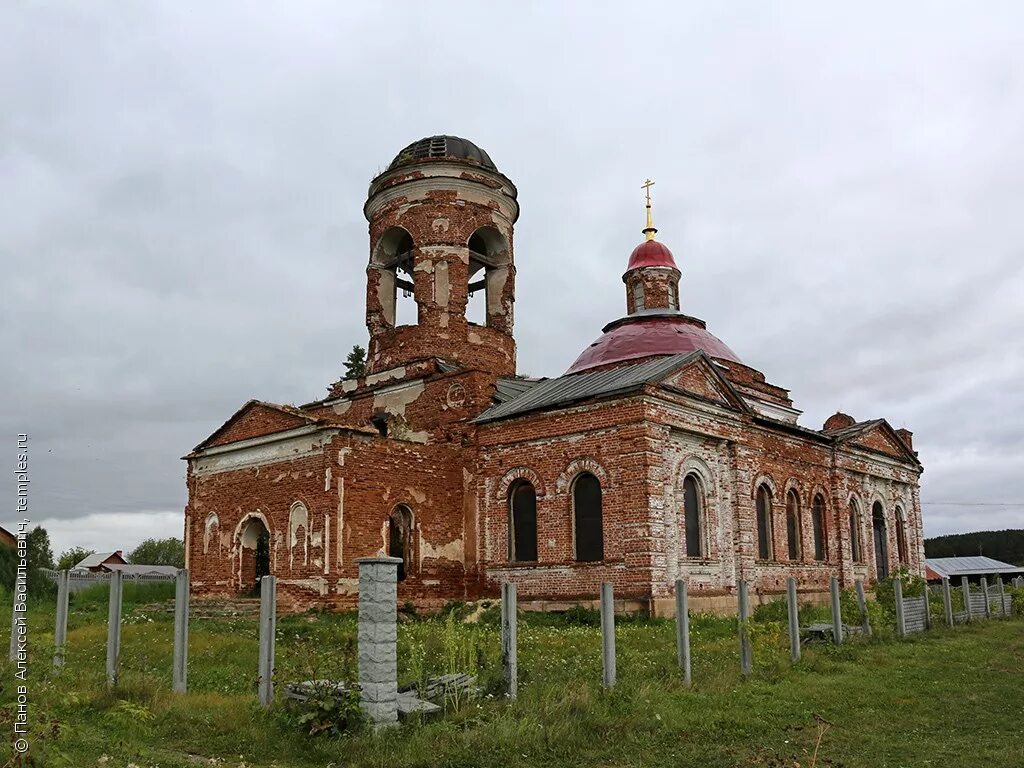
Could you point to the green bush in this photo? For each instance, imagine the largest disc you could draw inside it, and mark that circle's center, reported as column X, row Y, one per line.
column 326, row 712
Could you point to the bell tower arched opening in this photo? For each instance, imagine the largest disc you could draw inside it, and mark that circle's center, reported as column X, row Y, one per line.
column 487, row 276
column 396, row 288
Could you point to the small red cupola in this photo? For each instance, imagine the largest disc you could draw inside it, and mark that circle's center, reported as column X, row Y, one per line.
column 651, row 253
column 652, row 277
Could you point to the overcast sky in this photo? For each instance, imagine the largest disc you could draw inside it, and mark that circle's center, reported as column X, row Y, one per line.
column 181, row 223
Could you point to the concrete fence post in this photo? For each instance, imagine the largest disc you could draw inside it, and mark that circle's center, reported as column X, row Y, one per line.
column 378, row 639
column 268, row 631
column 683, row 630
column 837, row 611
column 114, row 628
column 793, row 611
column 509, row 641
column 862, row 606
column 927, row 607
column 947, row 601
column 984, row 591
column 746, row 652
column 965, row 586
column 608, row 634
column 60, row 631
column 179, row 673
column 901, row 625
column 1002, row 597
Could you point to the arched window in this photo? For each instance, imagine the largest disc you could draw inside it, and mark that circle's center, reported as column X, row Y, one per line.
column 393, row 261
column 693, row 511
column 522, row 506
column 673, row 298
column 818, row 526
column 587, row 522
column 400, row 538
column 901, row 535
column 638, row 296
column 488, row 261
column 855, row 549
column 764, row 523
column 881, row 543
column 793, row 525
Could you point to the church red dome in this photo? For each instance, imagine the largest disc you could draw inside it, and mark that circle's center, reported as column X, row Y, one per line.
column 650, row 334
column 651, row 253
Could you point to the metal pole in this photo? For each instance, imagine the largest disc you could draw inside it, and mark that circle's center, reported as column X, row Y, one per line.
column 901, row 626
column 60, row 632
column 862, row 606
column 984, row 591
column 268, row 627
column 966, row 587
column 114, row 628
column 837, row 612
column 683, row 629
column 509, row 620
column 746, row 653
column 947, row 600
column 608, row 634
column 180, row 663
column 794, row 619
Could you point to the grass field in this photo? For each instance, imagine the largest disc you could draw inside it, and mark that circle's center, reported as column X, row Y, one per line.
column 951, row 698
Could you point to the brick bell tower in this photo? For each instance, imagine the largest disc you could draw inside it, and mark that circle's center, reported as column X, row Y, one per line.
column 441, row 219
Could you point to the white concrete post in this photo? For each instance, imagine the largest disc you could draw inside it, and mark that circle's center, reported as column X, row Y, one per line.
column 927, row 608
column 268, row 631
column 862, row 606
column 683, row 630
column 1002, row 597
column 837, row 611
column 901, row 626
column 180, row 663
column 984, row 591
column 947, row 601
column 509, row 640
column 793, row 609
column 746, row 652
column 966, row 587
column 60, row 632
column 378, row 639
column 608, row 634
column 114, row 628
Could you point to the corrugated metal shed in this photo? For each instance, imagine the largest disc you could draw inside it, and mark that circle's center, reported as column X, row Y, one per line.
column 583, row 386
column 977, row 565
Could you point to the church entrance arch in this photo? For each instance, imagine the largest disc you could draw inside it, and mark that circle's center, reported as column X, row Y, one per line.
column 254, row 554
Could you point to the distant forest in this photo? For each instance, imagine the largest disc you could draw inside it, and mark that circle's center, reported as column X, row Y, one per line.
column 1007, row 545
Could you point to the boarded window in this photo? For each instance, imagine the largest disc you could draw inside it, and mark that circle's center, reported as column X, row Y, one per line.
column 818, row 526
column 692, row 508
column 764, row 523
column 522, row 545
column 793, row 525
column 901, row 535
column 881, row 541
column 586, row 506
column 855, row 549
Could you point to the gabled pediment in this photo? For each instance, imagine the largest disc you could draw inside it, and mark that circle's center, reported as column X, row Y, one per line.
column 255, row 419
column 698, row 376
column 877, row 436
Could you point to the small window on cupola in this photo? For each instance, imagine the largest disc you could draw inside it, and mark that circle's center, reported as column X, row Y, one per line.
column 638, row 296
column 673, row 299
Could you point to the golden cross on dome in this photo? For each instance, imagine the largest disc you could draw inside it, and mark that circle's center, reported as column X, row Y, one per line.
column 649, row 230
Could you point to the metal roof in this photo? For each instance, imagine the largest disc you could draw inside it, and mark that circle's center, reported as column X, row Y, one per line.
column 96, row 559
column 583, row 386
column 509, row 388
column 975, row 565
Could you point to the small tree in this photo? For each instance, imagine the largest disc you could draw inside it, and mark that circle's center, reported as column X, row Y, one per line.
column 355, row 363
column 169, row 551
column 38, row 552
column 72, row 557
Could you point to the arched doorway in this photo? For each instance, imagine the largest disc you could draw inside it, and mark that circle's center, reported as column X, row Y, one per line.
column 254, row 552
column 400, row 538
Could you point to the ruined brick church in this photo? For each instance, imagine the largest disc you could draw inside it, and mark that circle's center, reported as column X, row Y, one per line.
column 658, row 454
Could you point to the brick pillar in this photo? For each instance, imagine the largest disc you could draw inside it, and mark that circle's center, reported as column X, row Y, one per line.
column 378, row 639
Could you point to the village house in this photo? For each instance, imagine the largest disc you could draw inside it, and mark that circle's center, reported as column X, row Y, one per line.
column 658, row 454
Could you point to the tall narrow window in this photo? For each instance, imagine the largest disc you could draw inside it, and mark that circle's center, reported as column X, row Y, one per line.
column 901, row 535
column 399, row 536
column 855, row 548
column 793, row 525
column 586, row 508
column 880, row 534
column 673, row 299
column 638, row 296
column 764, row 523
column 818, row 526
column 522, row 504
column 692, row 508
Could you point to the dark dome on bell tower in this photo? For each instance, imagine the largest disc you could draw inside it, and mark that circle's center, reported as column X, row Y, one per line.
column 443, row 148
